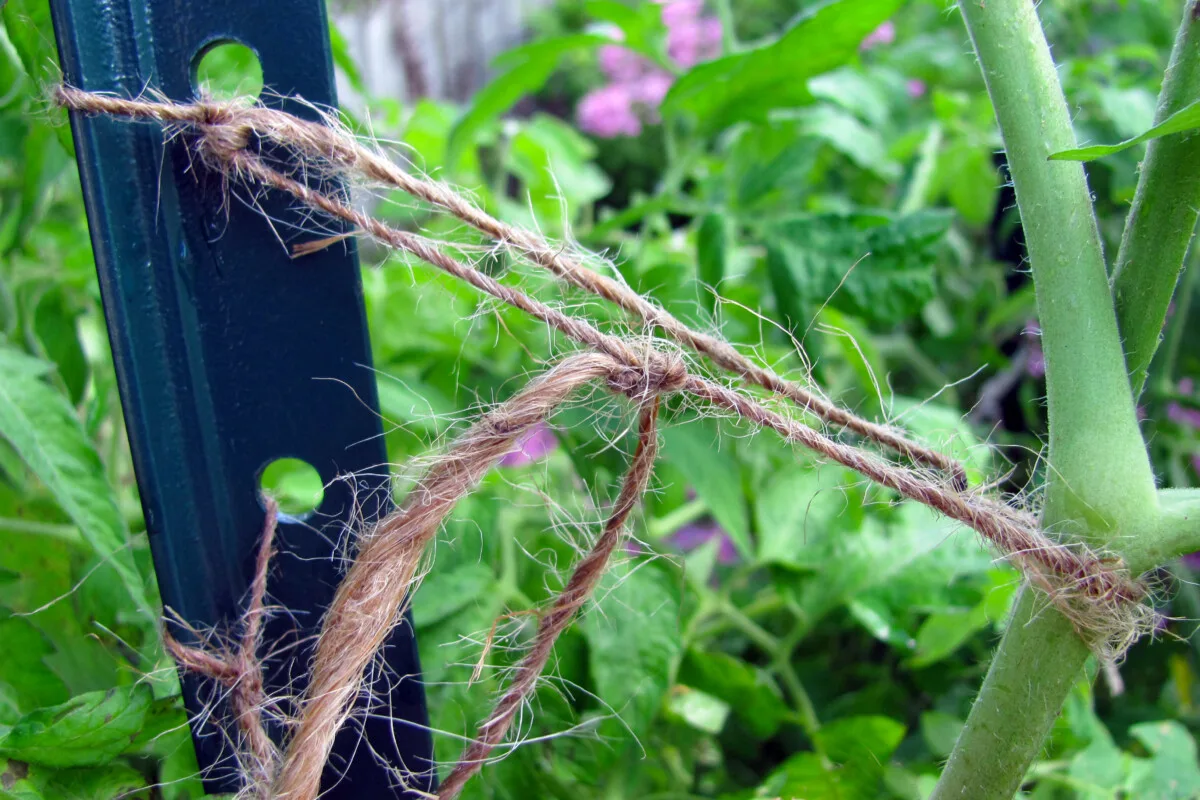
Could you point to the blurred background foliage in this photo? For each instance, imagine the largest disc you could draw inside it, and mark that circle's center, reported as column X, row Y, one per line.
column 818, row 181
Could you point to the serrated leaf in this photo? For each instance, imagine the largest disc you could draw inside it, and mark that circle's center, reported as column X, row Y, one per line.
column 874, row 266
column 694, row 450
column 42, row 427
column 87, row 730
column 633, row 645
column 747, row 85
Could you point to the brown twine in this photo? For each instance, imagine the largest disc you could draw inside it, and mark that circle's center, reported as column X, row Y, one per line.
column 572, row 598
column 1095, row 593
column 241, row 671
column 227, row 127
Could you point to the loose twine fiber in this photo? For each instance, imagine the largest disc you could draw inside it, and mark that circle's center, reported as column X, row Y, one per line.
column 1095, row 592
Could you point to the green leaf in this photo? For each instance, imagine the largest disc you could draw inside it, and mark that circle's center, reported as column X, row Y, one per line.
column 23, row 668
column 553, row 162
column 698, row 709
column 695, row 451
column 747, row 85
column 753, row 697
column 633, row 645
column 858, row 747
column 874, row 266
column 1172, row 772
column 343, row 59
column 1185, row 119
column 844, row 133
column 43, row 428
column 940, row 731
column 443, row 593
column 798, row 508
column 642, row 28
column 712, row 244
column 863, row 742
column 854, row 91
column 87, row 730
column 526, row 70
column 945, row 631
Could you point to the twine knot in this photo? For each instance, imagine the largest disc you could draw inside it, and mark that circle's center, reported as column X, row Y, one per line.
column 661, row 373
column 222, row 135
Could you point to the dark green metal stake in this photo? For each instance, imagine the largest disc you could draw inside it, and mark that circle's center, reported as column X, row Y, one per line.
column 230, row 355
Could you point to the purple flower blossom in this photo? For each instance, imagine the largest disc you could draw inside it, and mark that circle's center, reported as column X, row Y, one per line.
column 535, row 444
column 636, row 85
column 677, row 12
column 697, row 534
column 620, row 64
column 884, row 34
column 694, row 40
column 608, row 112
column 1180, row 415
column 916, row 88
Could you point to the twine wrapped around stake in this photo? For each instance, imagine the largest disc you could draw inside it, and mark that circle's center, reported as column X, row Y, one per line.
column 1105, row 604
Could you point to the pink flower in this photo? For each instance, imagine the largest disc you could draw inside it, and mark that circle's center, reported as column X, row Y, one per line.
column 694, row 40
column 608, row 112
column 884, row 34
column 916, row 88
column 536, row 444
column 697, row 534
column 651, row 90
column 620, row 64
column 1180, row 415
column 678, row 12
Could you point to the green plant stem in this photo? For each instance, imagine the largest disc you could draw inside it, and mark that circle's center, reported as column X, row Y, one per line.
column 1163, row 215
column 1039, row 660
column 1100, row 481
column 67, row 533
column 1100, row 472
column 1165, row 366
column 729, row 40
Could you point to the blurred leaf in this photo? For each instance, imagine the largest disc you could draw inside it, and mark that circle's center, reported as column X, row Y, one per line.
column 852, row 90
column 940, row 731
column 443, row 593
column 31, row 32
column 876, row 267
column 863, row 742
column 694, row 449
column 343, row 59
column 845, row 134
column 752, row 696
column 1185, row 119
column 87, row 730
column 45, row 431
column 633, row 645
column 1172, row 772
column 712, row 243
column 1130, row 109
column 700, row 710
column 859, row 748
column 553, row 162
column 641, row 25
column 55, row 335
column 970, row 180
column 114, row 780
column 526, row 70
column 945, row 631
column 747, row 85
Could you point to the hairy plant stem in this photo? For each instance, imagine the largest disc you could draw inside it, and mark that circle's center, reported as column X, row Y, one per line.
column 1162, row 218
column 1099, row 483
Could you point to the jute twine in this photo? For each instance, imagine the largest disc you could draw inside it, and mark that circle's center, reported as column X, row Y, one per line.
column 1094, row 591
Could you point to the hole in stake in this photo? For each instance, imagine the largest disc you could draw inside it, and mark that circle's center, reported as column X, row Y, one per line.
column 224, row 70
column 294, row 484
